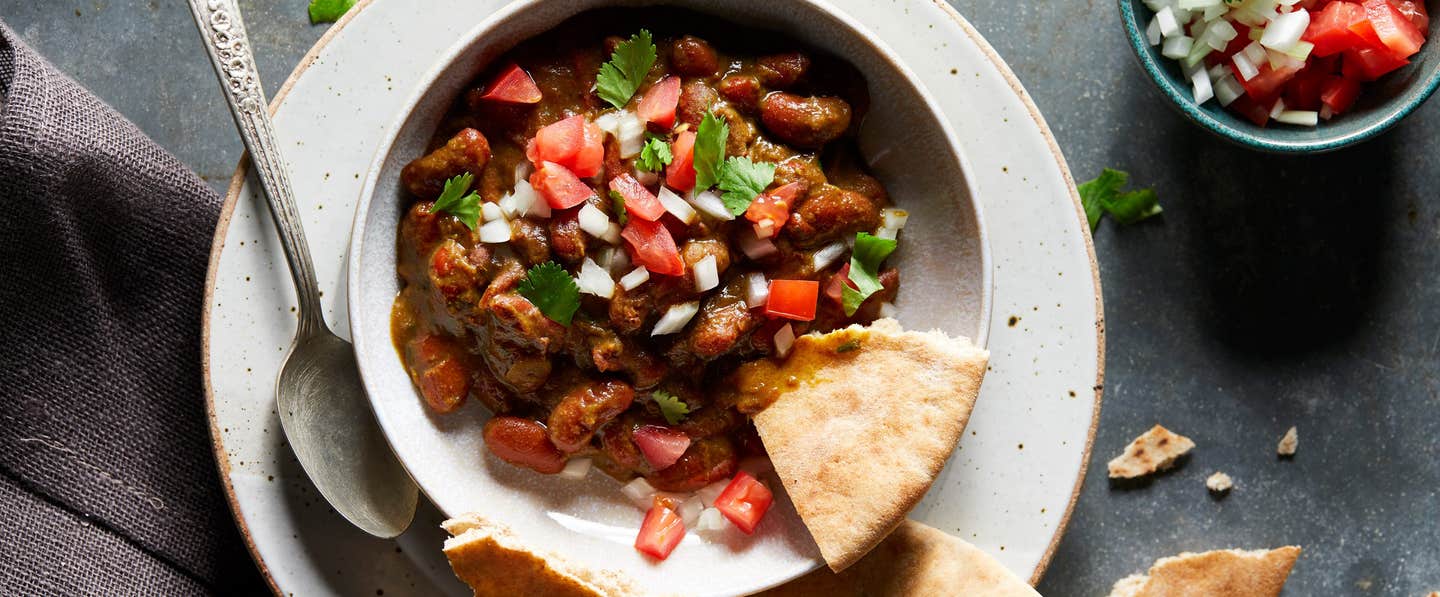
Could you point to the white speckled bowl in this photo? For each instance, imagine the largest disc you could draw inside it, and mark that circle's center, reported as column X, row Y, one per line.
column 947, row 285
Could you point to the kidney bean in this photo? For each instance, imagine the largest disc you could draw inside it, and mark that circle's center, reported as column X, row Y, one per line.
column 779, row 71
column 467, row 151
column 693, row 57
column 586, row 408
column 804, row 121
column 524, row 443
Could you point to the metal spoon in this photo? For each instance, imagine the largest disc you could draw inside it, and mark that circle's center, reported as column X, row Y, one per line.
column 322, row 405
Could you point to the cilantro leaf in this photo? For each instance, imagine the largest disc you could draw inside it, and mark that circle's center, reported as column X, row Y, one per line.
column 1102, row 196
column 626, row 70
column 671, row 406
column 710, row 138
column 551, row 289
column 453, row 200
column 865, row 261
column 618, row 200
column 655, row 155
column 742, row 180
column 328, row 11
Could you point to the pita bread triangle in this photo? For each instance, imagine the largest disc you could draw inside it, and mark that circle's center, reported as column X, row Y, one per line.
column 862, row 422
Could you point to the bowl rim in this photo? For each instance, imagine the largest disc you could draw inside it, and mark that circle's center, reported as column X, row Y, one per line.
column 1186, row 105
column 449, row 59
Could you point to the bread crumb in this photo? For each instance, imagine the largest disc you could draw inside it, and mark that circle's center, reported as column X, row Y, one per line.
column 1289, row 443
column 1219, row 482
column 1152, row 452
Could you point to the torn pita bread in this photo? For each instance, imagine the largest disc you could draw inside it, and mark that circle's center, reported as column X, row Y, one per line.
column 496, row 563
column 913, row 560
column 862, row 421
column 1289, row 443
column 1223, row 573
column 1150, row 453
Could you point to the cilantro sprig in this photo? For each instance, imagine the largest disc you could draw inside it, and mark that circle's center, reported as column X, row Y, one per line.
column 455, row 201
column 655, row 155
column 551, row 289
column 622, row 75
column 617, row 201
column 671, row 406
column 710, row 138
column 328, row 11
column 742, row 180
column 870, row 251
column 1102, row 196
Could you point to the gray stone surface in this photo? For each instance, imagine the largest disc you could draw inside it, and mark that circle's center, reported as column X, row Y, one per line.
column 1273, row 292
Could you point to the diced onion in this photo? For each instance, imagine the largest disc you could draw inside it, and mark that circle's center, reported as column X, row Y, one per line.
column 523, row 170
column 1284, row 31
column 508, row 207
column 1177, row 47
column 593, row 221
column 755, row 247
column 528, row 201
column 1244, row 67
column 784, row 339
column 1279, row 107
column 1255, row 53
column 619, row 260
column 757, row 290
column 1326, row 113
column 635, row 278
column 707, row 495
column 497, row 231
column 690, row 512
column 675, row 318
column 827, row 255
column 609, row 122
column 710, row 521
column 631, row 135
column 1299, row 117
column 593, row 279
column 676, row 206
column 576, row 468
column 640, row 492
column 1200, row 85
column 1152, row 33
column 706, row 274
column 646, row 177
column 892, row 221
column 1228, row 90
column 1169, row 25
column 765, row 228
column 710, row 203
column 612, row 234
column 491, row 211
column 888, row 310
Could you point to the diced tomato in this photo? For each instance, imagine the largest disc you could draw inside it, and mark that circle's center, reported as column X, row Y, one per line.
column 745, row 501
column 559, row 186
column 773, row 205
column 572, row 143
column 1251, row 110
column 1416, row 12
column 1393, row 28
column 793, row 299
column 653, row 247
column 1267, row 85
column 1339, row 93
column 680, row 174
column 513, row 86
column 1330, row 28
column 660, row 533
column 638, row 200
column 1368, row 64
column 661, row 446
column 835, row 288
column 658, row 105
column 1303, row 91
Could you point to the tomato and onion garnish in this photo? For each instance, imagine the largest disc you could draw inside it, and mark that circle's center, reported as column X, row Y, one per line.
column 744, row 502
column 660, row 533
column 1291, row 61
column 513, row 86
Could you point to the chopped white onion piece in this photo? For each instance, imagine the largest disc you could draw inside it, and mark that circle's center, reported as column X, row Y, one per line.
column 593, row 279
column 1194, row 4
column 706, row 274
column 1228, row 90
column 1215, row 12
column 892, row 217
column 1177, row 47
column 619, row 260
column 690, row 512
column 710, row 521
column 888, row 310
column 675, row 318
column 676, row 206
column 593, row 221
column 707, row 495
column 1152, row 33
column 1244, row 67
column 1218, row 71
column 784, row 339
column 1169, row 25
column 631, row 135
column 609, row 122
column 764, row 228
column 612, row 234
column 755, row 247
column 757, row 289
column 491, row 211
column 646, row 177
column 509, row 208
column 1279, row 107
column 576, row 468
column 1200, row 85
column 528, row 201
column 497, row 231
column 640, row 492
column 1256, row 53
column 635, row 278
column 827, row 255
column 710, row 203
column 523, row 170
column 1299, row 117
column 1284, row 31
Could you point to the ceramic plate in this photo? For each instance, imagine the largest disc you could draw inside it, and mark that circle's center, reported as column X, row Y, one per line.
column 1008, row 489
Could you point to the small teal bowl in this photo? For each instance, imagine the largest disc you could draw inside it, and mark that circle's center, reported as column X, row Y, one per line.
column 1381, row 105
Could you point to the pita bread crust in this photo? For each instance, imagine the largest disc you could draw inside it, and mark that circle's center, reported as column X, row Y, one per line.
column 1222, row 573
column 860, row 434
column 914, row 560
column 495, row 563
column 1150, row 453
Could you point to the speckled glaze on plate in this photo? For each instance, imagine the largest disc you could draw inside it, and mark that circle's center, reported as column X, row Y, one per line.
column 1382, row 105
column 1008, row 489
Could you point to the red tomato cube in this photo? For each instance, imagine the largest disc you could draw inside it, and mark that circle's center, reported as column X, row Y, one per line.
column 793, row 299
column 638, row 200
column 513, row 86
column 559, row 186
column 653, row 247
column 744, row 502
column 658, row 105
column 660, row 533
column 680, row 174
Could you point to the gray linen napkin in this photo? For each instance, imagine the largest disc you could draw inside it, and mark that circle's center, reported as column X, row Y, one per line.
column 107, row 483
